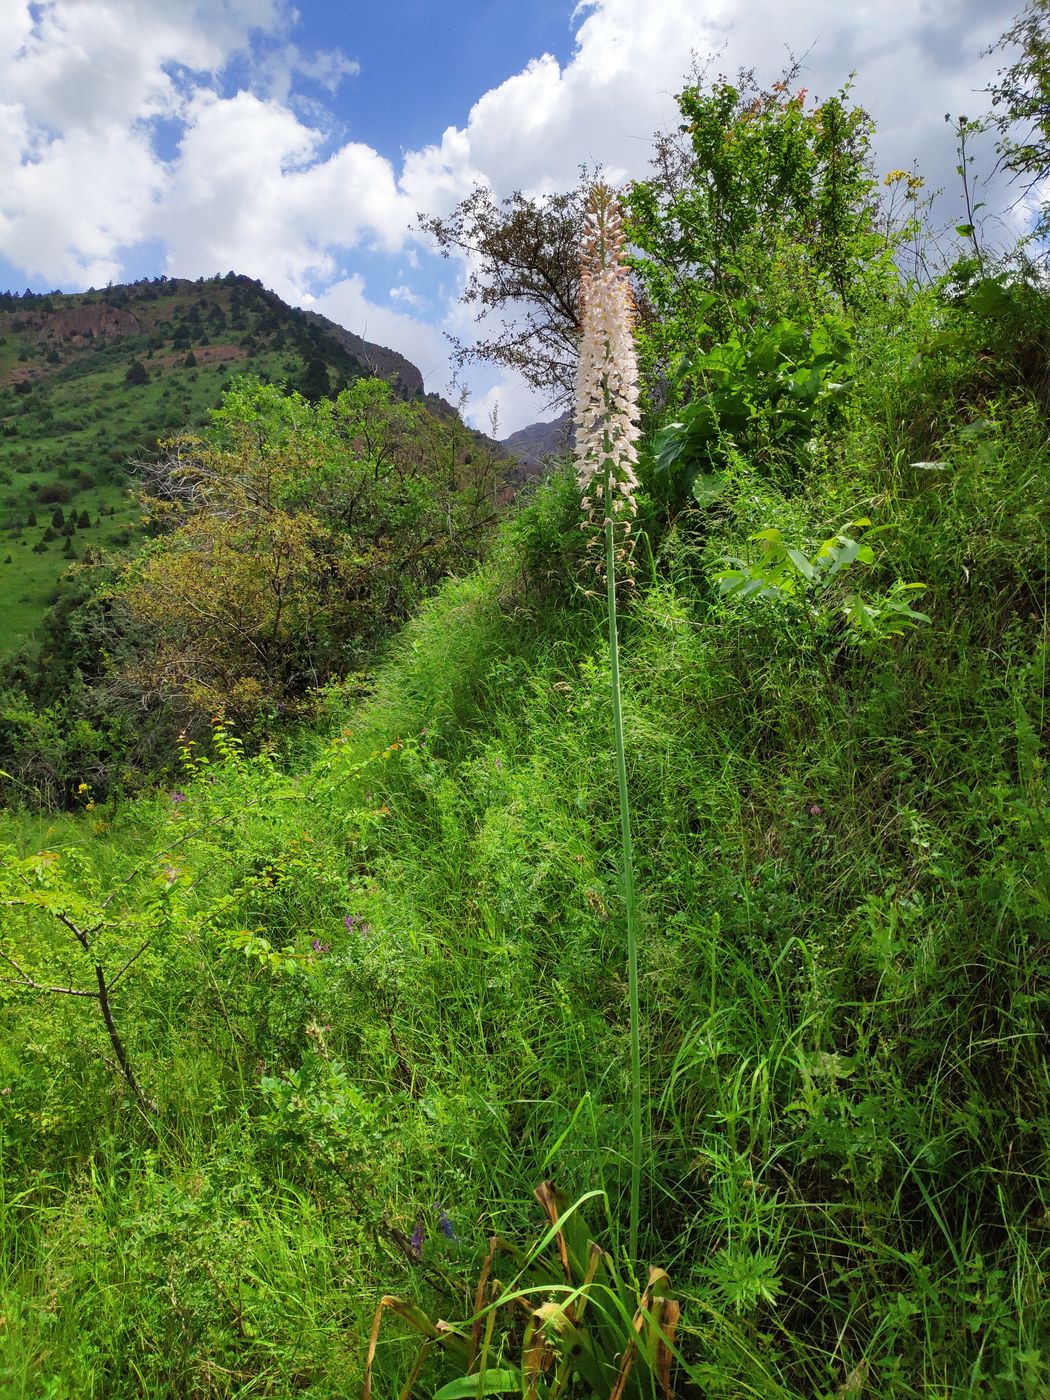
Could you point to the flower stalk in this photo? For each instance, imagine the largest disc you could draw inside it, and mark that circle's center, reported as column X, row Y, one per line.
column 606, row 433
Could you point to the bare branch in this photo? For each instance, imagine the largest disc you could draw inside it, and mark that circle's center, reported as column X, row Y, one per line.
column 133, row 959
column 24, row 980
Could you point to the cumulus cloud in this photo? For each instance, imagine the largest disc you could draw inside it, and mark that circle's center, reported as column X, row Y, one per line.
column 82, row 82
column 408, row 297
column 250, row 190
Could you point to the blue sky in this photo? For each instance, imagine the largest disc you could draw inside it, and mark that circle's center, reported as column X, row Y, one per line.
column 297, row 144
column 423, row 65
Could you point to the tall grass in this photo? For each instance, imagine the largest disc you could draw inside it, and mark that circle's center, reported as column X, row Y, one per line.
column 842, row 912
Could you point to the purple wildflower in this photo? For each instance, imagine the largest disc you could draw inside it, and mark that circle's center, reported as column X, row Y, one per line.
column 320, row 947
column 417, row 1239
column 444, row 1223
column 178, row 797
column 349, row 922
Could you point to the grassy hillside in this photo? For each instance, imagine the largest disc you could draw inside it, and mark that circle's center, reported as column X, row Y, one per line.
column 378, row 983
column 74, row 412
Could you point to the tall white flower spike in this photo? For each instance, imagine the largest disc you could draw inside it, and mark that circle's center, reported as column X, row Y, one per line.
column 606, row 457
column 606, row 412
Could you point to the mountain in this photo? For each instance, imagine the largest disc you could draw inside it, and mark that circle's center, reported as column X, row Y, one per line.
column 377, row 361
column 534, row 445
column 93, row 380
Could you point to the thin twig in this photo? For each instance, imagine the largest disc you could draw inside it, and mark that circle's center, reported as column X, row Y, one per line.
column 134, row 958
column 24, row 980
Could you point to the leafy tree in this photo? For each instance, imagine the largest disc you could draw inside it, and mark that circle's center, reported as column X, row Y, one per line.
column 524, row 266
column 757, row 198
column 1021, row 98
column 315, row 383
column 289, row 539
column 137, row 373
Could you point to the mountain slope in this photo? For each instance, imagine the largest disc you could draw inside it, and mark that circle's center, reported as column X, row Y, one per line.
column 534, row 445
column 90, row 381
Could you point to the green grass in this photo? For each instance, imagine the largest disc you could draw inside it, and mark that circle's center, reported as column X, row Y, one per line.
column 842, row 871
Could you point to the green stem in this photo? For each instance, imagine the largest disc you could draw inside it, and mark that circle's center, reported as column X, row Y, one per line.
column 628, row 876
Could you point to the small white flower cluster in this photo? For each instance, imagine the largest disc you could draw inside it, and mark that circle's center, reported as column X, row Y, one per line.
column 607, row 378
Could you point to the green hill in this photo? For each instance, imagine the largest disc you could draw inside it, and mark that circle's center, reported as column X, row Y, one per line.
column 90, row 381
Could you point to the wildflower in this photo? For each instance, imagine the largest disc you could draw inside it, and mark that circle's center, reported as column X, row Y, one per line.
column 607, row 377
column 815, row 811
column 320, row 947
column 417, row 1239
column 178, row 797
column 444, row 1223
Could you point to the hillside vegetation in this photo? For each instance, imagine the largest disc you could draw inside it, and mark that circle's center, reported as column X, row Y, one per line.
column 348, row 993
column 90, row 382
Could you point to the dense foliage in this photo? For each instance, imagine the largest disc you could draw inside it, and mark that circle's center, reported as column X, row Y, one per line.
column 284, row 542
column 297, row 1036
column 91, row 381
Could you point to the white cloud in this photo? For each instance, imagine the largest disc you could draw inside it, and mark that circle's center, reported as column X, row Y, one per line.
column 327, row 69
column 514, row 404
column 252, row 191
column 408, row 296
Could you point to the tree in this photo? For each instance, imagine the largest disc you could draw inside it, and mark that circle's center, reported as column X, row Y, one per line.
column 137, row 373
column 758, row 196
column 523, row 258
column 1021, row 97
column 315, row 383
column 287, row 542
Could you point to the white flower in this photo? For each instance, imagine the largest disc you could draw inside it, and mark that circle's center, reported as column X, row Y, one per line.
column 606, row 411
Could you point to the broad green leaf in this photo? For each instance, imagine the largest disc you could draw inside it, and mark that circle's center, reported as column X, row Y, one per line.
column 802, row 564
column 850, row 551
column 495, row 1383
column 708, row 487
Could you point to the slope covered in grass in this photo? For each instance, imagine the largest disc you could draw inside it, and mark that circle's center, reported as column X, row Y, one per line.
column 384, row 988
